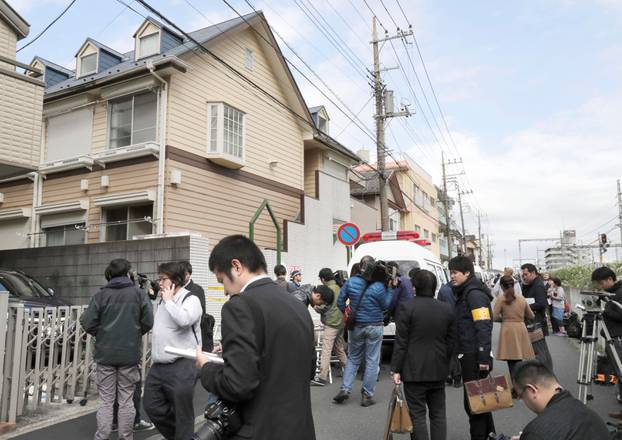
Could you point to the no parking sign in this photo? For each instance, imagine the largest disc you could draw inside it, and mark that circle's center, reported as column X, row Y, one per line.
column 348, row 234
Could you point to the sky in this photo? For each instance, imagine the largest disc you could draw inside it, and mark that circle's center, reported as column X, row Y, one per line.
column 529, row 90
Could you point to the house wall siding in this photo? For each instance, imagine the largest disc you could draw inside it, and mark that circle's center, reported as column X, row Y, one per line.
column 124, row 179
column 272, row 133
column 313, row 162
column 215, row 206
column 168, row 41
column 8, row 42
column 106, row 61
column 53, row 77
column 16, row 196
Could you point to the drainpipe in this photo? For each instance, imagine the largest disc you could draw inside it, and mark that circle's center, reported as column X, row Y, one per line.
column 37, row 192
column 162, row 155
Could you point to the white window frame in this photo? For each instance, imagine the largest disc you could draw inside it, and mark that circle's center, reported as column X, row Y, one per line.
column 249, row 59
column 109, row 105
column 220, row 143
column 82, row 73
column 103, row 236
column 139, row 47
column 66, row 228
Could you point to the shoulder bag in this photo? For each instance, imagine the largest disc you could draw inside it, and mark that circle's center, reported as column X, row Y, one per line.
column 398, row 420
column 349, row 314
column 489, row 394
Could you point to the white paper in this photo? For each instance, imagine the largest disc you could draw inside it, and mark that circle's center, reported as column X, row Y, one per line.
column 530, row 300
column 189, row 353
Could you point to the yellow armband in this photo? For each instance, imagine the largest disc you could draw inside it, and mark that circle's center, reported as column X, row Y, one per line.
column 481, row 314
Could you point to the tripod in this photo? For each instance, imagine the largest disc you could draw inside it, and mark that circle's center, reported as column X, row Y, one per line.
column 593, row 326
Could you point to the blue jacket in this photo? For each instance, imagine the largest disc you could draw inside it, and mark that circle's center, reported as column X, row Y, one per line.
column 376, row 300
column 401, row 294
column 446, row 295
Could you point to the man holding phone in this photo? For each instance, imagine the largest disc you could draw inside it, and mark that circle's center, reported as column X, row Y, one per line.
column 169, row 388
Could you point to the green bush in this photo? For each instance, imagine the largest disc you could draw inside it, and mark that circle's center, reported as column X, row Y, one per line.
column 581, row 276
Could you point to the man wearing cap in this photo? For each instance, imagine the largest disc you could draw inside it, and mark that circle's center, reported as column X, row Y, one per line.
column 295, row 281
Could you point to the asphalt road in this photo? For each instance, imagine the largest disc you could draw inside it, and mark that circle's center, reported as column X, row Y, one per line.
column 350, row 420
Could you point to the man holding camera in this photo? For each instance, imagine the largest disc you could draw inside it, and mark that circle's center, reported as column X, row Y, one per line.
column 369, row 299
column 606, row 280
column 267, row 345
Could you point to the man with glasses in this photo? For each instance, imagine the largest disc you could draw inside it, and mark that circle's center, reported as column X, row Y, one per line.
column 559, row 415
column 169, row 388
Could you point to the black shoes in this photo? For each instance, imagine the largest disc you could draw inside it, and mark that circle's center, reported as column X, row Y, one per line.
column 341, row 397
column 317, row 382
column 366, row 400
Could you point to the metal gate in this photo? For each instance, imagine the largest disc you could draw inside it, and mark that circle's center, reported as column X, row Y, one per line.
column 45, row 357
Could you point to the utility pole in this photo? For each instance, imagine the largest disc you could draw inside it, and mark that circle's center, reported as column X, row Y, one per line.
column 619, row 214
column 489, row 255
column 384, row 110
column 460, row 194
column 446, row 206
column 479, row 239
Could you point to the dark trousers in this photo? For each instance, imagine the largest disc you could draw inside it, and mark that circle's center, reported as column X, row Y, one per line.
column 169, row 390
column 617, row 343
column 481, row 424
column 425, row 397
column 511, row 366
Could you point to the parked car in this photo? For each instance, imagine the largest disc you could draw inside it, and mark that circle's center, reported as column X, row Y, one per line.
column 27, row 290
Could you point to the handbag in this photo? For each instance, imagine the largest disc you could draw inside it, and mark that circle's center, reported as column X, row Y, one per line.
column 566, row 307
column 398, row 420
column 349, row 314
column 535, row 332
column 489, row 394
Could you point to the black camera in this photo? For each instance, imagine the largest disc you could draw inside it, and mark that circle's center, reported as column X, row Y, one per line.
column 380, row 271
column 147, row 285
column 341, row 276
column 222, row 421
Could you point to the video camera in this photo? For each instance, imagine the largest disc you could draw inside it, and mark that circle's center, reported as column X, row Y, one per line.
column 380, row 271
column 147, row 285
column 222, row 421
column 592, row 303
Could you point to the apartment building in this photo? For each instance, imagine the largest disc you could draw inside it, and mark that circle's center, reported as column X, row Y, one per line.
column 164, row 139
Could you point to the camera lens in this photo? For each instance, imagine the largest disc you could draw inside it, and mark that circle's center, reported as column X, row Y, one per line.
column 209, row 431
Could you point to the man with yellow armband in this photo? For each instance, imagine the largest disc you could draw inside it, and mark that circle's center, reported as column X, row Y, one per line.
column 474, row 327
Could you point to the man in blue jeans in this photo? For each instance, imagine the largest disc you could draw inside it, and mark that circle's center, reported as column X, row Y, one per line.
column 366, row 338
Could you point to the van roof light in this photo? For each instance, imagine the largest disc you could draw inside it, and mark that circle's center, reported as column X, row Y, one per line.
column 383, row 236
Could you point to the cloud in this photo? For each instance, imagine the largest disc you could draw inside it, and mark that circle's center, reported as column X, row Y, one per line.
column 559, row 174
column 24, row 6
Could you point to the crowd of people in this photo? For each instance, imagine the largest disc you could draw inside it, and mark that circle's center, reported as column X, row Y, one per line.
column 268, row 339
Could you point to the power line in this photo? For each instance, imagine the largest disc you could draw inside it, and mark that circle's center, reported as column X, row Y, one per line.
column 116, row 17
column 47, row 27
column 403, row 13
column 389, row 14
column 375, row 15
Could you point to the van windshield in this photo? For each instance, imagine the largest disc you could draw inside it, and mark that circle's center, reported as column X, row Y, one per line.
column 406, row 266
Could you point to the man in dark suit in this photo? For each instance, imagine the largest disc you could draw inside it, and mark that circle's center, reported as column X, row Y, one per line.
column 423, row 348
column 267, row 370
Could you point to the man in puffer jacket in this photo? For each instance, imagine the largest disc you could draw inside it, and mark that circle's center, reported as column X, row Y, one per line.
column 118, row 316
column 366, row 338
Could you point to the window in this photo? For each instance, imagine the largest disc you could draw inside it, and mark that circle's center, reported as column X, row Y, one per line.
column 148, row 44
column 88, row 64
column 433, row 237
column 426, row 234
column 133, row 120
column 226, row 130
column 65, row 235
column 69, row 134
column 322, row 124
column 417, row 228
column 125, row 222
column 249, row 59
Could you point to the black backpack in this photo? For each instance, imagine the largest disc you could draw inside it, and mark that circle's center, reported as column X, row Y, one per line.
column 207, row 328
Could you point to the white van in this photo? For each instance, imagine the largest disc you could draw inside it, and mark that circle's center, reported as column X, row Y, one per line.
column 402, row 248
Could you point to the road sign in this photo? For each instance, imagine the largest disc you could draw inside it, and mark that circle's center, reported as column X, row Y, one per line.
column 348, row 234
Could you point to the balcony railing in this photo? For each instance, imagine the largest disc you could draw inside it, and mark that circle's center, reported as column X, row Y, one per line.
column 21, row 101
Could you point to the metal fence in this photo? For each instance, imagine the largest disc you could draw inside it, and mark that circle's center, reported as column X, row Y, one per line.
column 45, row 357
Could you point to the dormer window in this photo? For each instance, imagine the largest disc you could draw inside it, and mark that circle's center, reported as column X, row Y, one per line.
column 148, row 45
column 322, row 124
column 88, row 64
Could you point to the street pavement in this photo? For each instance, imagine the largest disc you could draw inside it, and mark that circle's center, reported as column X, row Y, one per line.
column 350, row 420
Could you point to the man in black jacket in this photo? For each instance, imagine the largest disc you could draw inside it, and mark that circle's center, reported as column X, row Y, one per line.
column 118, row 316
column 559, row 415
column 423, row 348
column 535, row 293
column 606, row 279
column 268, row 348
column 474, row 327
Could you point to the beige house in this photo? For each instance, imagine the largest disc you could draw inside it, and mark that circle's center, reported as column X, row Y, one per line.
column 411, row 195
column 21, row 100
column 169, row 139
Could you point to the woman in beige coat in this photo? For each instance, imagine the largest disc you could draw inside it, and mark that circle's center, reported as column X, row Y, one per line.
column 511, row 310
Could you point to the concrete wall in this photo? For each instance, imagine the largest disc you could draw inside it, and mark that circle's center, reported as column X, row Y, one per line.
column 77, row 272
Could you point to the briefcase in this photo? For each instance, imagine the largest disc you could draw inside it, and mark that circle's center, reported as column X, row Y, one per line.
column 489, row 394
column 535, row 332
column 398, row 421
